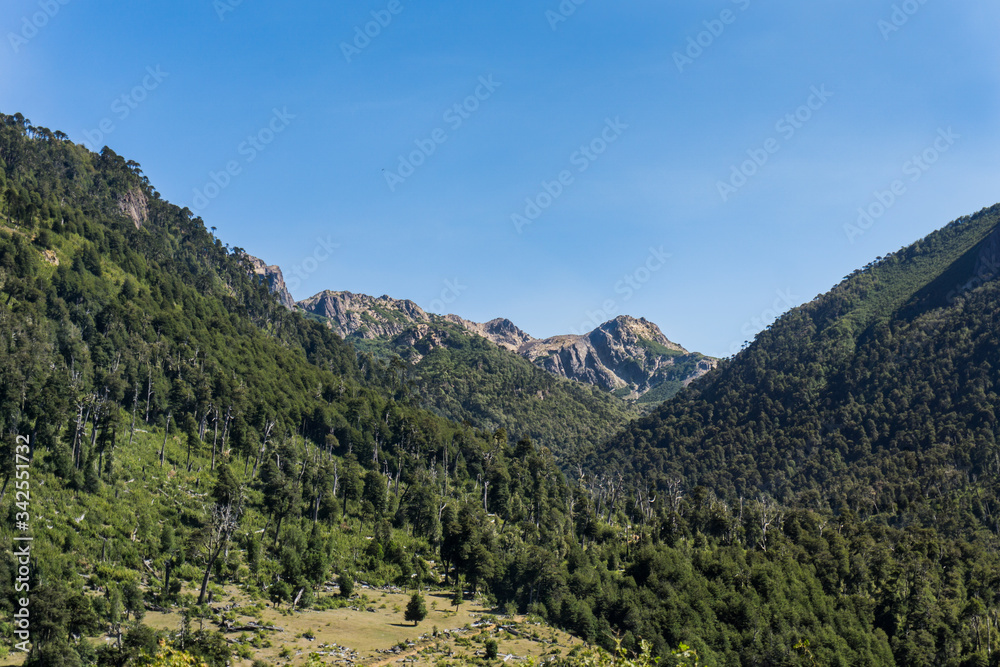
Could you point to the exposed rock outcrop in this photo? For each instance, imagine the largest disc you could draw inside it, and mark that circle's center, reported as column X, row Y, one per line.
column 622, row 354
column 275, row 281
column 135, row 206
column 363, row 316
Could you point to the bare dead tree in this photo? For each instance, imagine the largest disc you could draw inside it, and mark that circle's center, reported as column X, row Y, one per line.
column 78, row 431
column 769, row 515
column 336, row 479
column 215, row 437
column 225, row 519
column 263, row 446
column 166, row 430
column 225, row 429
column 149, row 389
column 135, row 404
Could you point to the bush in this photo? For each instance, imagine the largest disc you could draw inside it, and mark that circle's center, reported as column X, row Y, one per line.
column 346, row 582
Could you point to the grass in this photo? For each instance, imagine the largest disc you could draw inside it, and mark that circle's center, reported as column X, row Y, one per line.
column 367, row 634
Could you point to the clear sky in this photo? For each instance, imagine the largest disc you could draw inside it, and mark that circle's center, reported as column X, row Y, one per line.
column 691, row 163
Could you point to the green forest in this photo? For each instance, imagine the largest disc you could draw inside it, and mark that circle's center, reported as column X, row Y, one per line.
column 466, row 378
column 827, row 497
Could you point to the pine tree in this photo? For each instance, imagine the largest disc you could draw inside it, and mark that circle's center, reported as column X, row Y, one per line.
column 416, row 610
column 459, row 597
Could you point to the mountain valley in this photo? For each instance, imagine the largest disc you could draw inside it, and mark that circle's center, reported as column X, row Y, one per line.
column 208, row 459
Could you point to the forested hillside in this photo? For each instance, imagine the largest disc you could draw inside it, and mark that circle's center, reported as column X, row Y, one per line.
column 194, row 441
column 495, row 375
column 876, row 405
column 875, row 394
column 467, row 378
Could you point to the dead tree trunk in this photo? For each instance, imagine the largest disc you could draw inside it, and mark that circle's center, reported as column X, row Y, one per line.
column 163, row 447
column 135, row 404
column 149, row 391
column 225, row 429
column 224, row 521
column 215, row 438
column 263, row 446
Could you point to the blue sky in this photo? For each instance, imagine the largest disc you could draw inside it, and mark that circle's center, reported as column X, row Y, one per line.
column 695, row 165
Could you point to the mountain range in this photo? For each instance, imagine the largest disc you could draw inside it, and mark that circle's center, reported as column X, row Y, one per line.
column 829, row 496
column 628, row 357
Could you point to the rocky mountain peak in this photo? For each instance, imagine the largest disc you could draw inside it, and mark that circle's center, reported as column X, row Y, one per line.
column 631, row 331
column 275, row 281
column 626, row 355
column 364, row 316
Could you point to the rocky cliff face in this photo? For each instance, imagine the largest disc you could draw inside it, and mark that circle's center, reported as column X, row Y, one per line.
column 363, row 316
column 571, row 357
column 275, row 281
column 626, row 355
column 135, row 206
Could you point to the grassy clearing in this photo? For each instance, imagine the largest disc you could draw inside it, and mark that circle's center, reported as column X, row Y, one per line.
column 373, row 632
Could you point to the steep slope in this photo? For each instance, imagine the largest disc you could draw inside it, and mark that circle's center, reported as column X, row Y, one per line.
column 870, row 397
column 275, row 281
column 501, row 331
column 460, row 374
column 564, row 393
column 860, row 435
column 467, row 378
